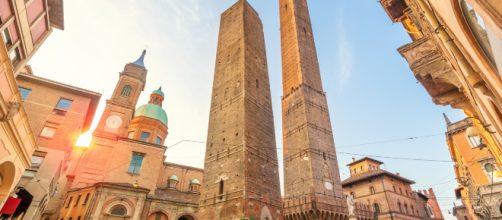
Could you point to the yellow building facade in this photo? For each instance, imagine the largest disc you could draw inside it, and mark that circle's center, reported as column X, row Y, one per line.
column 456, row 54
column 476, row 170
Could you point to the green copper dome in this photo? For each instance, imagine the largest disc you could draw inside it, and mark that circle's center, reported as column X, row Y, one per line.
column 173, row 177
column 195, row 181
column 152, row 111
column 158, row 92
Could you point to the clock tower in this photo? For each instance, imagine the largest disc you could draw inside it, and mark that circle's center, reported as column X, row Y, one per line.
column 120, row 107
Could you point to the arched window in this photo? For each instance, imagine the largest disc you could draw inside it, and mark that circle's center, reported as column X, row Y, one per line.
column 158, row 216
column 429, row 211
column 400, row 207
column 172, row 182
column 194, row 185
column 118, row 210
column 372, row 190
column 376, row 208
column 126, row 91
column 490, row 43
column 491, row 170
column 406, row 208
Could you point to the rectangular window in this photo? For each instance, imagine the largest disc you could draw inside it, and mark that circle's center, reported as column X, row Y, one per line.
column 24, row 93
column 14, row 55
column 130, row 135
column 77, row 201
column 69, row 202
column 86, row 199
column 144, row 136
column 6, row 37
column 64, row 104
column 48, row 132
column 29, row 173
column 136, row 161
column 36, row 162
column 158, row 140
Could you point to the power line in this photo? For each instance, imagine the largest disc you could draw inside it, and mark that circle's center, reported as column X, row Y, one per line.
column 396, row 158
column 339, row 152
column 391, row 140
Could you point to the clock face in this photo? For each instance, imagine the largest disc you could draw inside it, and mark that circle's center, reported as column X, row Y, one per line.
column 113, row 121
column 328, row 185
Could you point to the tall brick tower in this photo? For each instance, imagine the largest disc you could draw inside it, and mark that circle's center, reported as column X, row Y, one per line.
column 241, row 178
column 312, row 182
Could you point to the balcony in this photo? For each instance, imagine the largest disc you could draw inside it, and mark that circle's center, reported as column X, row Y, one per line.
column 434, row 72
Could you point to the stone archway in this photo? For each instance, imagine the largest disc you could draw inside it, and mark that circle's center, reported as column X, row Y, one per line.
column 186, row 217
column 7, row 175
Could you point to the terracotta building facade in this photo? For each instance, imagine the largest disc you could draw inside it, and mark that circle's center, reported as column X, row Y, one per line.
column 134, row 183
column 24, row 25
column 389, row 195
column 58, row 113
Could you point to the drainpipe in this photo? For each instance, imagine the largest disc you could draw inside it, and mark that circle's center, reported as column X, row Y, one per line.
column 445, row 38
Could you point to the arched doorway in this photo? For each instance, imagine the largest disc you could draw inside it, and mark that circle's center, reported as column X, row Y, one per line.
column 158, row 216
column 7, row 174
column 186, row 217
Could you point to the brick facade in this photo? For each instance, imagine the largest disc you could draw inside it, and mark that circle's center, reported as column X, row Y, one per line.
column 241, row 169
column 311, row 177
column 389, row 195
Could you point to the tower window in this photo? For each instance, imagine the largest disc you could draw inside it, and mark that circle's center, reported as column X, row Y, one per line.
column 221, row 188
column 126, row 91
column 158, row 140
column 372, row 190
column 136, row 161
column 257, row 83
column 144, row 136
column 376, row 208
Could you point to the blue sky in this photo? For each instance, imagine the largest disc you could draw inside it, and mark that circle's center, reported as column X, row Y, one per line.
column 372, row 93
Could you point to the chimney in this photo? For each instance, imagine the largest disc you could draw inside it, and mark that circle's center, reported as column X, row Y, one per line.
column 353, row 159
column 398, row 174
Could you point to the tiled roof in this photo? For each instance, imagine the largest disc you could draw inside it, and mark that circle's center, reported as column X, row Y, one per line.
column 371, row 174
column 365, row 158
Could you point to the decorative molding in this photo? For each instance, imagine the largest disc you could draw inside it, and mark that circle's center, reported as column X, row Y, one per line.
column 12, row 110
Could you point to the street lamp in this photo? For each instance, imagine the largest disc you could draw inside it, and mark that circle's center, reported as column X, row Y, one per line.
column 474, row 137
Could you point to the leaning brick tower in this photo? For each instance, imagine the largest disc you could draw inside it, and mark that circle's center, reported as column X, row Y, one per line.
column 312, row 184
column 241, row 179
